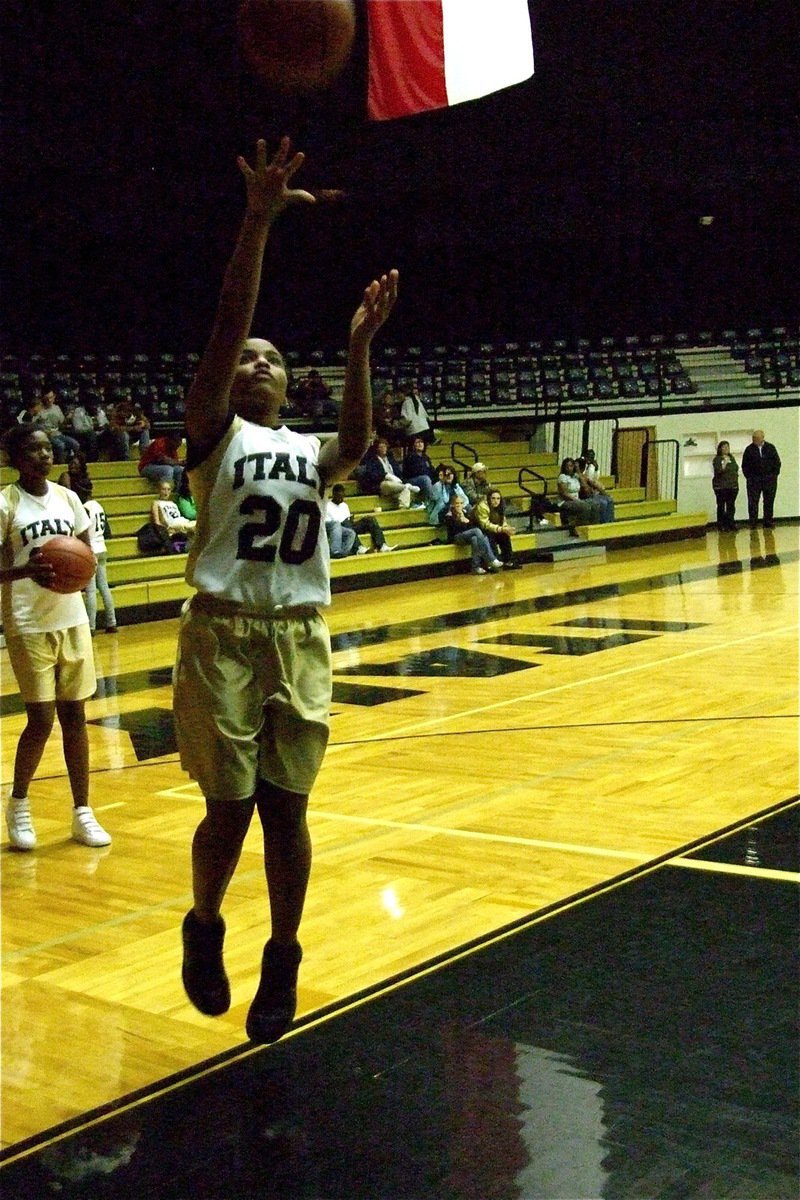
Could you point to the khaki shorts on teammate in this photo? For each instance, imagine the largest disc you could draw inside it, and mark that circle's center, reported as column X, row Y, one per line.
column 53, row 666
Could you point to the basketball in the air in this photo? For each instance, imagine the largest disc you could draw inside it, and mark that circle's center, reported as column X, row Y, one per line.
column 72, row 561
column 296, row 46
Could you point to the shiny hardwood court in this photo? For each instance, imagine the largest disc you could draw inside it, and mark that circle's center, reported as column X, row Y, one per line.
column 499, row 746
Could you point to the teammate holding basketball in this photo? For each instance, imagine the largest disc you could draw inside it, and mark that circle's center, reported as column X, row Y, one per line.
column 253, row 675
column 47, row 634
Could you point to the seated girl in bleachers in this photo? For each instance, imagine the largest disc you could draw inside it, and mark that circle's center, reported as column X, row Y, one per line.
column 490, row 513
column 164, row 512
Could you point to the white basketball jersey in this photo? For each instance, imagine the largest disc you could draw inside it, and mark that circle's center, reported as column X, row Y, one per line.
column 260, row 537
column 27, row 521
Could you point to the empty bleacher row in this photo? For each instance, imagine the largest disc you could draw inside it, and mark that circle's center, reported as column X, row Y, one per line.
column 461, row 381
column 147, row 587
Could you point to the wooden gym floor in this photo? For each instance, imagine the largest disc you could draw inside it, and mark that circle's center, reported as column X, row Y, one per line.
column 553, row 753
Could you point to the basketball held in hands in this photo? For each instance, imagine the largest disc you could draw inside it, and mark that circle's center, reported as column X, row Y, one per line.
column 72, row 561
column 296, row 46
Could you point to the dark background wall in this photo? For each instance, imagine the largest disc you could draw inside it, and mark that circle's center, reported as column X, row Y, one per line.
column 567, row 205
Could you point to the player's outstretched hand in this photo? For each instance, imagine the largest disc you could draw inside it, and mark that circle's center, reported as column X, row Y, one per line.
column 39, row 569
column 268, row 191
column 372, row 312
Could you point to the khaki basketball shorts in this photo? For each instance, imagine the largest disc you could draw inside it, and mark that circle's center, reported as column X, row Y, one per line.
column 53, row 666
column 252, row 698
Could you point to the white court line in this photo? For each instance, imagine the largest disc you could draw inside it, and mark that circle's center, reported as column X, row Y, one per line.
column 407, row 826
column 464, row 713
column 702, row 864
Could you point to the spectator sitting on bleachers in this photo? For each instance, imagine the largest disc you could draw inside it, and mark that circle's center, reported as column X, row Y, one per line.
column 573, row 510
column 313, row 397
column 76, row 476
column 490, row 513
column 165, row 513
column 418, row 470
column 52, row 420
column 462, row 531
column 137, row 424
column 384, row 414
column 31, row 412
column 159, row 460
column 444, row 491
column 343, row 531
column 114, row 439
column 185, row 500
column 83, row 427
column 592, row 490
column 476, row 483
column 381, row 475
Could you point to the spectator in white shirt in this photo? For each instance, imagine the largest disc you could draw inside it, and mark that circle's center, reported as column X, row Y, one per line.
column 413, row 421
column 343, row 531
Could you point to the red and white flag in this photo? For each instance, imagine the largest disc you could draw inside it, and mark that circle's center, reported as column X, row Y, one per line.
column 426, row 54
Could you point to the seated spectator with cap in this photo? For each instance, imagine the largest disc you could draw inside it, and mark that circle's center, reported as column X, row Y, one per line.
column 343, row 531
column 476, row 485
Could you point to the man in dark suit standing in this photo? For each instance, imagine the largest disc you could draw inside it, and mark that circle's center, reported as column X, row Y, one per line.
column 761, row 466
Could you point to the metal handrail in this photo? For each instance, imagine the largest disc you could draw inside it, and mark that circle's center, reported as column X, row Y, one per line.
column 524, row 471
column 464, row 466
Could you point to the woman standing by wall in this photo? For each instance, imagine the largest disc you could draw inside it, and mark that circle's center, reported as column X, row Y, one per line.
column 725, row 483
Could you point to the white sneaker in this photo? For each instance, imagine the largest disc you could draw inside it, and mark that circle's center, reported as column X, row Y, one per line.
column 418, row 506
column 496, row 565
column 478, row 571
column 21, row 833
column 362, row 550
column 86, row 829
column 386, row 548
column 544, row 521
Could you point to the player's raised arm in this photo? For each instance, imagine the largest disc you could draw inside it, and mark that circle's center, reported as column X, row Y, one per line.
column 268, row 193
column 339, row 455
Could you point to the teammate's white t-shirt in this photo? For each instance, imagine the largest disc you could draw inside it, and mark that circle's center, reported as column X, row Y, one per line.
column 27, row 606
column 260, row 537
column 97, row 518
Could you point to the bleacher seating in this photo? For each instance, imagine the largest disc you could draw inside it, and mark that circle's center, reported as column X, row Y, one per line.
column 147, row 587
column 461, row 382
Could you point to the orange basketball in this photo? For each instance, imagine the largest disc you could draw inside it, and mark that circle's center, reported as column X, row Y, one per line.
column 71, row 560
column 296, row 45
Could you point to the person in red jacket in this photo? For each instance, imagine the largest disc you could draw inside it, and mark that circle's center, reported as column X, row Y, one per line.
column 159, row 460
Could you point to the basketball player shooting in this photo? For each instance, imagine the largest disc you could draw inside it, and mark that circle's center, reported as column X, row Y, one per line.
column 252, row 680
